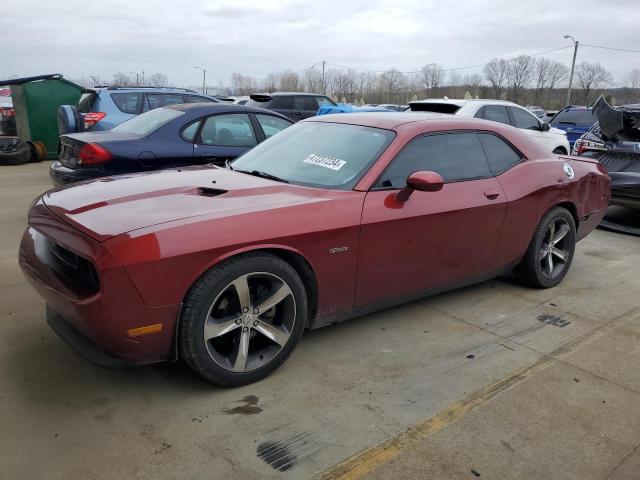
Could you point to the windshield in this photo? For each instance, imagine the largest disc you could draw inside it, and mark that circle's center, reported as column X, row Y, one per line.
column 318, row 154
column 148, row 122
column 576, row 117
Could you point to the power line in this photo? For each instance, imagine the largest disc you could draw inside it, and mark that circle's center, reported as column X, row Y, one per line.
column 610, row 48
column 445, row 69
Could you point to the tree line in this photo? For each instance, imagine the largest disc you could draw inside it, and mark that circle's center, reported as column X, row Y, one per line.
column 523, row 79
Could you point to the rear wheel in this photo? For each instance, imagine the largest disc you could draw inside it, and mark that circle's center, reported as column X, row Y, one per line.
column 242, row 319
column 560, row 151
column 550, row 253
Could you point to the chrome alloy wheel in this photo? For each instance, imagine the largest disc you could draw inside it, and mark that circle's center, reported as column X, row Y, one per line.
column 249, row 322
column 555, row 249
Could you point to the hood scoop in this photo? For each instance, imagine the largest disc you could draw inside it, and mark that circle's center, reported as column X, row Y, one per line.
column 209, row 192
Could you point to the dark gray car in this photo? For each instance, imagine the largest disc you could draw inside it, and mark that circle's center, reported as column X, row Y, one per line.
column 296, row 106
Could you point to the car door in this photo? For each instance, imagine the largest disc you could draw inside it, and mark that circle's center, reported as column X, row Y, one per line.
column 283, row 104
column 529, row 124
column 304, row 106
column 224, row 137
column 434, row 238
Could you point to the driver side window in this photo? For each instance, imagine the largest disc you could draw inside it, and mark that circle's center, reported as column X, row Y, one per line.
column 456, row 156
column 523, row 119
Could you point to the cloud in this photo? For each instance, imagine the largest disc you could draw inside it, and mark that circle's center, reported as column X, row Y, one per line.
column 257, row 37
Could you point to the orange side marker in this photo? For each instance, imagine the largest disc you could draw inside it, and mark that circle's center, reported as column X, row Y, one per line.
column 138, row 332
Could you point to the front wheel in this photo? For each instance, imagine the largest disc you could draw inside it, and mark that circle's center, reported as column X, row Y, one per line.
column 550, row 253
column 560, row 151
column 242, row 319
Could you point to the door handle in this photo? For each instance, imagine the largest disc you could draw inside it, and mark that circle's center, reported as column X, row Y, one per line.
column 492, row 193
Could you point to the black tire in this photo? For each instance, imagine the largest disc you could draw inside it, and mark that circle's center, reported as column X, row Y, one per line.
column 536, row 269
column 202, row 301
column 559, row 151
column 16, row 153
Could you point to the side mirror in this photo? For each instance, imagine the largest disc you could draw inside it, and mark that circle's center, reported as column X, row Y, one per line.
column 423, row 181
column 544, row 126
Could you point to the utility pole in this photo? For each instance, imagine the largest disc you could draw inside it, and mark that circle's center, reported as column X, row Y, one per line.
column 324, row 88
column 573, row 66
column 143, row 77
column 135, row 73
column 204, row 78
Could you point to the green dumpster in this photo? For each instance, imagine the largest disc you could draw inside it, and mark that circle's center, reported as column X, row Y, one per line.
column 36, row 101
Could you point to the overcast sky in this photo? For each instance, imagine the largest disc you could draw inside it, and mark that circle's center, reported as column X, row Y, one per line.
column 257, row 37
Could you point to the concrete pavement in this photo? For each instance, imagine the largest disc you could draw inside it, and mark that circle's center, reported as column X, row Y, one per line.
column 495, row 380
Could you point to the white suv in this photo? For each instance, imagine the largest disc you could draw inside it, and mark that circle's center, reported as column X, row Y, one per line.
column 554, row 139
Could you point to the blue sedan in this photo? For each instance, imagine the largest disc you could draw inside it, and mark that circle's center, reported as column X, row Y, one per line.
column 172, row 136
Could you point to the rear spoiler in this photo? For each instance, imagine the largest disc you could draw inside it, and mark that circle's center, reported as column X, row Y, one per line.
column 260, row 97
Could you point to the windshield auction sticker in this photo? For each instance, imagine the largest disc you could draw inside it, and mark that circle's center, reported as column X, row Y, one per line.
column 324, row 161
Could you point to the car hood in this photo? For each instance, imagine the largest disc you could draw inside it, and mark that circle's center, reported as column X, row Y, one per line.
column 620, row 123
column 557, row 131
column 111, row 206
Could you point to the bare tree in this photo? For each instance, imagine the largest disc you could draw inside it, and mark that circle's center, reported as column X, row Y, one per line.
column 496, row 73
column 591, row 76
column 122, row 79
column 158, row 80
column 270, row 83
column 312, row 81
column 519, row 74
column 342, row 83
column 473, row 82
column 432, row 76
column 365, row 83
column 243, row 84
column 391, row 83
column 633, row 79
column 288, row 81
column 558, row 73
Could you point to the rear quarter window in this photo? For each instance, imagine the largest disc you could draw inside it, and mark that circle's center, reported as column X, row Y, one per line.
column 500, row 155
column 128, row 102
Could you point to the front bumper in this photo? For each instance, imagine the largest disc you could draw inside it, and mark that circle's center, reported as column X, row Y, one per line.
column 81, row 343
column 104, row 315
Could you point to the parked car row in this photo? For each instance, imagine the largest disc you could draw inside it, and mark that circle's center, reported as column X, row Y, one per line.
column 103, row 108
column 171, row 136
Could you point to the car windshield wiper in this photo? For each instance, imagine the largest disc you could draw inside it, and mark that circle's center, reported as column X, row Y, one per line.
column 258, row 173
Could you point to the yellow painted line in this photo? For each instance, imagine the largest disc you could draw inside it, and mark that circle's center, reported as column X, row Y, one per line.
column 365, row 462
column 147, row 329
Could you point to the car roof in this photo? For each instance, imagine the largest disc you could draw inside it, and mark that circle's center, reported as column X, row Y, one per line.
column 387, row 120
column 143, row 88
column 278, row 94
column 461, row 101
column 206, row 107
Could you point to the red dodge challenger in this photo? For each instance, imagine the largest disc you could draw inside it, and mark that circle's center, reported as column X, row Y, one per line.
column 334, row 217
